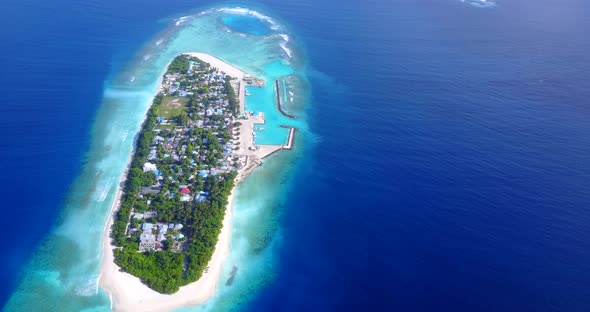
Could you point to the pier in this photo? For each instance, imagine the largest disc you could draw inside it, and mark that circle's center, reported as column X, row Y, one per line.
column 255, row 153
column 291, row 139
column 275, row 148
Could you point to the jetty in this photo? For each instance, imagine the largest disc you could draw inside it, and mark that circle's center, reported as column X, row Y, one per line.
column 291, row 138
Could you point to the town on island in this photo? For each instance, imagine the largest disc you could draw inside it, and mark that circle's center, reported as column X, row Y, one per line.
column 196, row 143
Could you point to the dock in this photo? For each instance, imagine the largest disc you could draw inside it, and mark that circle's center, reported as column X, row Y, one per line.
column 291, row 139
column 255, row 153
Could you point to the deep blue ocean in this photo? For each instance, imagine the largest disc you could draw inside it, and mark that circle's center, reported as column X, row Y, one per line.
column 450, row 168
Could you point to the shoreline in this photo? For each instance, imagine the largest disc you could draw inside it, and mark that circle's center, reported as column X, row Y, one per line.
column 127, row 292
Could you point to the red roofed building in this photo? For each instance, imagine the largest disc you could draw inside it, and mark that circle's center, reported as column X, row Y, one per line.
column 185, row 191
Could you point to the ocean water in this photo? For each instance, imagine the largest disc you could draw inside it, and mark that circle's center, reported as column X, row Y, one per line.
column 70, row 282
column 442, row 160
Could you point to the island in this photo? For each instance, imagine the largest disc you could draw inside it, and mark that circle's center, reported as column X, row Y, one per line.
column 170, row 224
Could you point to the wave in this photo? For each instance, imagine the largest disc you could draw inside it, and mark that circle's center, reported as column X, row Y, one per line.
column 124, row 135
column 88, row 287
column 208, row 11
column 284, row 47
column 181, row 20
column 284, row 36
column 103, row 190
column 480, row 3
column 283, row 44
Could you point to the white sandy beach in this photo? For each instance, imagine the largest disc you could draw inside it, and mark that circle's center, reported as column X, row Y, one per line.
column 129, row 294
column 126, row 291
column 219, row 64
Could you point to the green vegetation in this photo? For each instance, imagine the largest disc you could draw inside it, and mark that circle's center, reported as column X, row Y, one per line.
column 163, row 270
column 182, row 150
column 234, row 104
column 179, row 65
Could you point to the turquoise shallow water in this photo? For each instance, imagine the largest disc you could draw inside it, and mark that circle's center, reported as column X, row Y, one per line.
column 263, row 99
column 63, row 274
column 452, row 157
column 269, row 133
column 247, row 24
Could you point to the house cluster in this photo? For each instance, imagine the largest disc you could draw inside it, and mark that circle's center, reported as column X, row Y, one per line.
column 187, row 196
column 210, row 110
column 186, row 150
column 153, row 236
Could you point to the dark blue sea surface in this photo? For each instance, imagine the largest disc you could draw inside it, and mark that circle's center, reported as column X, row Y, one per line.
column 449, row 166
column 55, row 59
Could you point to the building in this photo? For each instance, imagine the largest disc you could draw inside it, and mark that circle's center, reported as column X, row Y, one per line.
column 147, row 241
column 149, row 167
column 147, row 227
column 201, row 196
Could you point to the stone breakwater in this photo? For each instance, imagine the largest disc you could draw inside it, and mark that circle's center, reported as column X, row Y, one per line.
column 279, row 105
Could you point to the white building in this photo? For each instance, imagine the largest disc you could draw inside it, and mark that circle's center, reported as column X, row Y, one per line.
column 149, row 167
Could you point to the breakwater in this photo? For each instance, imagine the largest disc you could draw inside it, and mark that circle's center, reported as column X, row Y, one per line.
column 291, row 139
column 279, row 106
